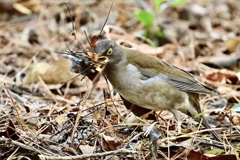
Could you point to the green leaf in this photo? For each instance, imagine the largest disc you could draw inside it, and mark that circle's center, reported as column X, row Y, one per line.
column 158, row 3
column 236, row 108
column 148, row 40
column 177, row 3
column 160, row 33
column 145, row 17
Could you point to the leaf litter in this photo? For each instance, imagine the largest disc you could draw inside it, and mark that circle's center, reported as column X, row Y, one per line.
column 50, row 112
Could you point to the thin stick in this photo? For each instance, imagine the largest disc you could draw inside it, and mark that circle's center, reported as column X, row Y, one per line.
column 73, row 26
column 85, row 156
column 106, row 19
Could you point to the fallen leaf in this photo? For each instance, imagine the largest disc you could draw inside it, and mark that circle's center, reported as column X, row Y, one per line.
column 86, row 149
column 231, row 44
column 222, row 77
column 110, row 141
column 235, row 120
column 51, row 73
column 193, row 155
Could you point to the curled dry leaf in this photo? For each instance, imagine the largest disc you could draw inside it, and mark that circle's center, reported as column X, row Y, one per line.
column 221, row 77
column 235, row 117
column 235, row 120
column 110, row 141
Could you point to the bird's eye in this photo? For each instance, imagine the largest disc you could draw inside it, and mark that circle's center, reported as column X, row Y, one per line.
column 110, row 51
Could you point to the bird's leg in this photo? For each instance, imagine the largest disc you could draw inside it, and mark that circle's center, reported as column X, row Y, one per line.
column 178, row 118
column 153, row 134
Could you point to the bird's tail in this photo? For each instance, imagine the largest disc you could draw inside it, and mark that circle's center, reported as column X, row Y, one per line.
column 215, row 135
column 194, row 99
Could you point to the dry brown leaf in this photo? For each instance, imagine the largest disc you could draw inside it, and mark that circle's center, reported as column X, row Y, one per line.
column 235, row 120
column 193, row 155
column 232, row 44
column 222, row 77
column 51, row 73
column 195, row 34
column 110, row 141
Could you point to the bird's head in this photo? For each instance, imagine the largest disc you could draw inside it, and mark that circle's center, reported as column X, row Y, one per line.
column 109, row 52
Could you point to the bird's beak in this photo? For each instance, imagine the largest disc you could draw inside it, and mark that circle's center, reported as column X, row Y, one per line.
column 102, row 60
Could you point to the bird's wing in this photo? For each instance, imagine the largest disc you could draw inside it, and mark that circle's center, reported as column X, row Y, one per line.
column 150, row 66
column 185, row 81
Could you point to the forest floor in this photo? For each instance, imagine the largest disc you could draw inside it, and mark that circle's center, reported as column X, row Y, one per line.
column 48, row 111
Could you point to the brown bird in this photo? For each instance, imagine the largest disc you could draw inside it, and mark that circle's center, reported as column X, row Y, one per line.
column 151, row 83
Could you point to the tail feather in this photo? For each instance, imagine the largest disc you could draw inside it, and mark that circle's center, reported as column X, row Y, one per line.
column 194, row 100
column 215, row 135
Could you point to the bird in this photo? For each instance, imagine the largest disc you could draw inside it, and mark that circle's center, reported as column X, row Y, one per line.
column 151, row 83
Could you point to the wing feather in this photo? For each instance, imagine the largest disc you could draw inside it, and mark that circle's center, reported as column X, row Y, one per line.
column 150, row 67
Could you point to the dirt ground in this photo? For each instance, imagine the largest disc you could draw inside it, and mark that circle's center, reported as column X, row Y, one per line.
column 48, row 110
